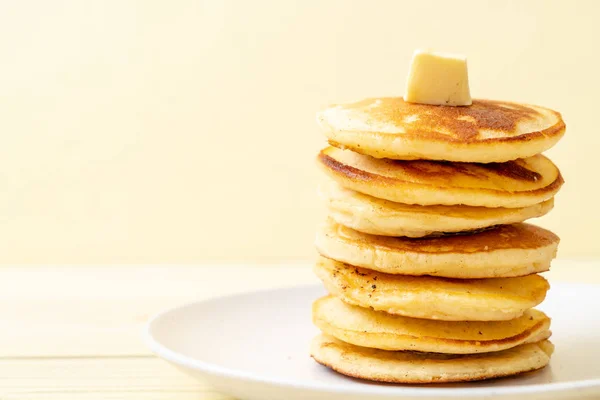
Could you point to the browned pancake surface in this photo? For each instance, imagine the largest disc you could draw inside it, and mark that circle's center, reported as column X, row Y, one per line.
column 522, row 174
column 453, row 124
column 516, row 236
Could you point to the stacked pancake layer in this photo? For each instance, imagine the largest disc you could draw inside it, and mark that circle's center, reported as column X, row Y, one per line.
column 432, row 274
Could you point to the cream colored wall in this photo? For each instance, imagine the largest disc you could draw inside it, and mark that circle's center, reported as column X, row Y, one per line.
column 184, row 131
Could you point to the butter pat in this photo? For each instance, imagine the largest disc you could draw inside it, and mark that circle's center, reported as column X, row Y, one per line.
column 438, row 79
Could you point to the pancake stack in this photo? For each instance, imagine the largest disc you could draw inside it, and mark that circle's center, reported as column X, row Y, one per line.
column 431, row 272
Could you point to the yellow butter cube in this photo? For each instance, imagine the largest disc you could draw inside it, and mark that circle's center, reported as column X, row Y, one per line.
column 438, row 79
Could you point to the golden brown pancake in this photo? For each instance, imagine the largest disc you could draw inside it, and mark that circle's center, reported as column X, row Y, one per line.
column 369, row 214
column 428, row 297
column 375, row 329
column 487, row 131
column 504, row 251
column 514, row 184
column 415, row 367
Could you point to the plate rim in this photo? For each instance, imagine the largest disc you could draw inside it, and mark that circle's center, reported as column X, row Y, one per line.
column 174, row 357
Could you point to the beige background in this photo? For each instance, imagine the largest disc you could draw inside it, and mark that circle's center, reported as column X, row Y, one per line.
column 184, row 131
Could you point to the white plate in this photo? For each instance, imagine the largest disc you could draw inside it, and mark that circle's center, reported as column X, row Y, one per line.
column 254, row 346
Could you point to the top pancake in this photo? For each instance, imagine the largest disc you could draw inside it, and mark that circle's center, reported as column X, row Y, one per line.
column 487, row 131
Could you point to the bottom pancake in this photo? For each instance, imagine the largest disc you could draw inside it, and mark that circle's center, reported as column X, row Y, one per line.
column 414, row 367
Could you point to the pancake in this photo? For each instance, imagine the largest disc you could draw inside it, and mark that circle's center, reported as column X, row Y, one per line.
column 487, row 131
column 505, row 251
column 368, row 214
column 415, row 367
column 375, row 329
column 514, row 184
column 428, row 297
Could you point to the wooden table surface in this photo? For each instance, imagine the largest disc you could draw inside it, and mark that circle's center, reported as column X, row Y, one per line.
column 74, row 332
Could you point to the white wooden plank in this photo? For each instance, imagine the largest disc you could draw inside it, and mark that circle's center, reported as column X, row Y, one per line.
column 61, row 311
column 127, row 378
